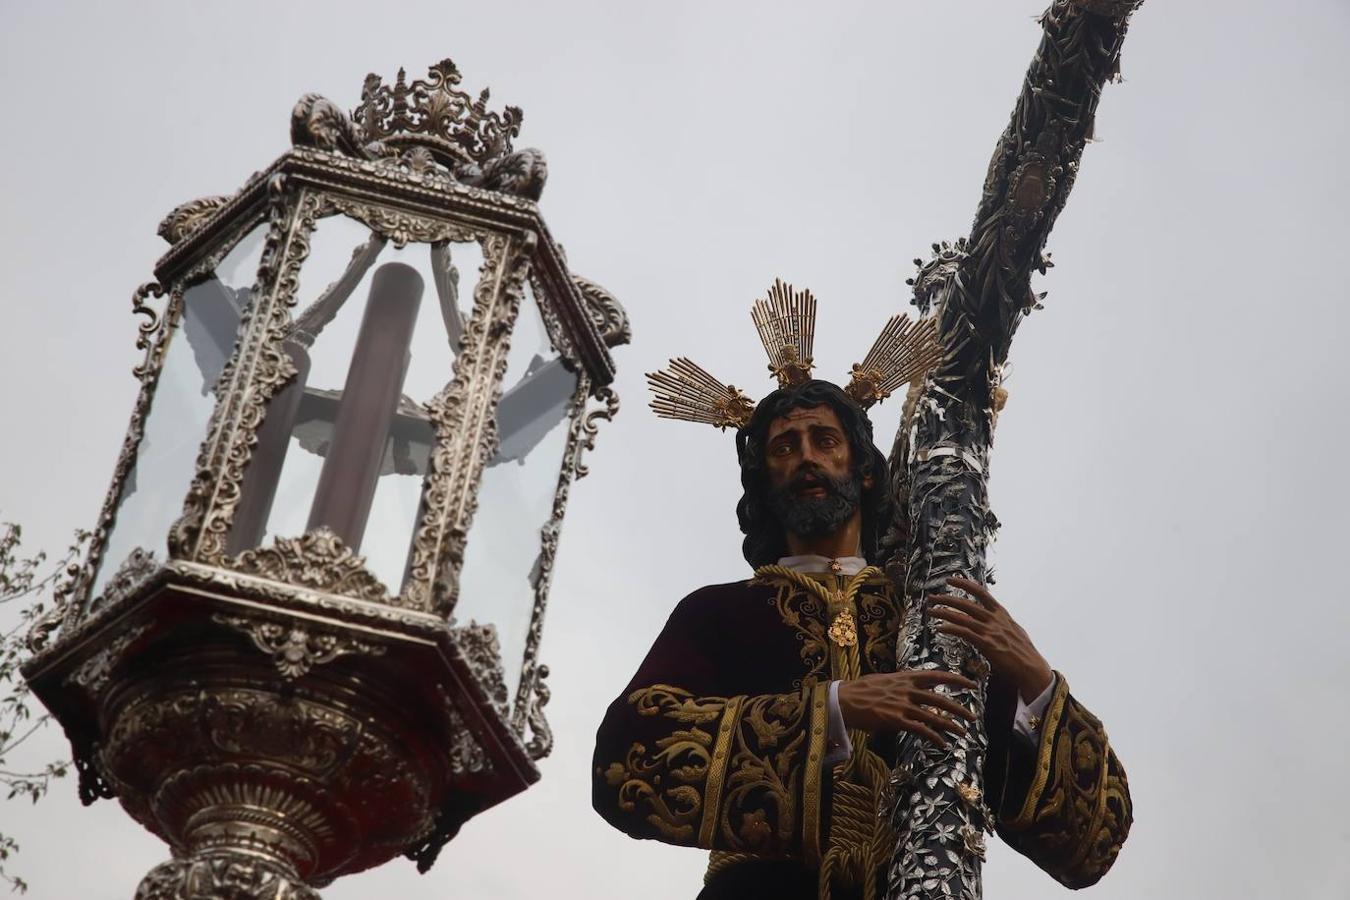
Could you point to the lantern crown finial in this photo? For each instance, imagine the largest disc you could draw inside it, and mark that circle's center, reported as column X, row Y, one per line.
column 428, row 124
column 436, row 114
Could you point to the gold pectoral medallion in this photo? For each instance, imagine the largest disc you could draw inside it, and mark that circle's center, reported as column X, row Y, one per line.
column 844, row 630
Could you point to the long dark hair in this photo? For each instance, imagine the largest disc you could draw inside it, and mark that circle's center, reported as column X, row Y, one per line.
column 765, row 541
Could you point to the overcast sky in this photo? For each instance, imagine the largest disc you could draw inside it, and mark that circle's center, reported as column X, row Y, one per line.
column 1168, row 469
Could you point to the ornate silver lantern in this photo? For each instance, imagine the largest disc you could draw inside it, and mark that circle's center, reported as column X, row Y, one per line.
column 305, row 638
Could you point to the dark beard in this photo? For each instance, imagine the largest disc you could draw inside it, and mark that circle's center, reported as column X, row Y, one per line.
column 814, row 517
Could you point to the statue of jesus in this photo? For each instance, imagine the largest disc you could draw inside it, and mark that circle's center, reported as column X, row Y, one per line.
column 762, row 723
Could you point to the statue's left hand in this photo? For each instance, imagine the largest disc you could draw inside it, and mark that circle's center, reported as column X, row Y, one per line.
column 991, row 630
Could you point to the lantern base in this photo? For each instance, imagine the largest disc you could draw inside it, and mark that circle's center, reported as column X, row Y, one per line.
column 224, row 875
column 277, row 738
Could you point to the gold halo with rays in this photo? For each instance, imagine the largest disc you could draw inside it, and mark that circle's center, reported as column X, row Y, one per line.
column 786, row 322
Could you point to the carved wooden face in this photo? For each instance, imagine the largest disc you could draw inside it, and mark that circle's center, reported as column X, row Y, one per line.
column 806, row 438
column 815, row 489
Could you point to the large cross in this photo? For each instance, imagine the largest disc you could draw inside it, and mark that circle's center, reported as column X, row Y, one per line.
column 979, row 288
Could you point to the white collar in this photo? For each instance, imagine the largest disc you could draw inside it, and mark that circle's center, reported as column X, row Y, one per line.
column 814, row 562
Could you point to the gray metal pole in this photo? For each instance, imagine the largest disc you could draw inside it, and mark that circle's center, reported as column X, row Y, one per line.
column 263, row 476
column 351, row 468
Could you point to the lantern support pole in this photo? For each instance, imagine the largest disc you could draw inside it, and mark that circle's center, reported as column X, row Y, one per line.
column 259, row 489
column 351, row 470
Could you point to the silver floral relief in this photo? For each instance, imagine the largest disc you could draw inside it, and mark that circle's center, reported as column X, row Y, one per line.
column 557, row 332
column 937, row 808
column 224, row 874
column 467, row 756
column 40, row 629
column 293, row 596
column 940, row 815
column 591, row 426
column 539, row 742
column 478, row 644
column 75, row 622
column 192, row 227
column 429, row 185
column 608, row 314
column 396, row 225
column 415, row 166
column 94, row 672
column 205, row 264
column 317, row 560
column 138, row 568
column 296, row 648
column 147, row 330
column 189, row 217
column 465, row 428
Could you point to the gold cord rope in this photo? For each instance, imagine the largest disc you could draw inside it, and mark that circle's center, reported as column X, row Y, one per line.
column 858, row 840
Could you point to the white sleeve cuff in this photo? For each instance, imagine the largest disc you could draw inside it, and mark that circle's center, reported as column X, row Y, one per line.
column 837, row 743
column 1027, row 719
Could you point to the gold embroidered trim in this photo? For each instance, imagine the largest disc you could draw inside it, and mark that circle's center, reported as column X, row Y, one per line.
column 815, row 770
column 747, row 799
column 819, row 604
column 804, row 613
column 721, row 860
column 717, row 770
column 1043, row 754
column 1078, row 811
column 673, row 809
column 878, row 614
column 860, row 839
column 765, row 778
column 824, row 594
column 1091, row 833
column 1116, row 816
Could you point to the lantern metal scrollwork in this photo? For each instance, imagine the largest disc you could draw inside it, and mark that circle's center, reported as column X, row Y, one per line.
column 305, row 638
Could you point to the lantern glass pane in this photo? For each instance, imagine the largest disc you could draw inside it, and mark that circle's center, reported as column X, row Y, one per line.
column 152, row 495
column 345, row 443
column 515, row 498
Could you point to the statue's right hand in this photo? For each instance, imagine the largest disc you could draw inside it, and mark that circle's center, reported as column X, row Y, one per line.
column 905, row 701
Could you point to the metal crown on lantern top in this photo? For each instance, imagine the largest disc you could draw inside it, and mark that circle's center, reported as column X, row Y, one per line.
column 435, row 114
column 786, row 322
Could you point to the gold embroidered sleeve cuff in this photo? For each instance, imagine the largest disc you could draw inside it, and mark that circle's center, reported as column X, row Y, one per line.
column 740, row 773
column 1076, row 811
